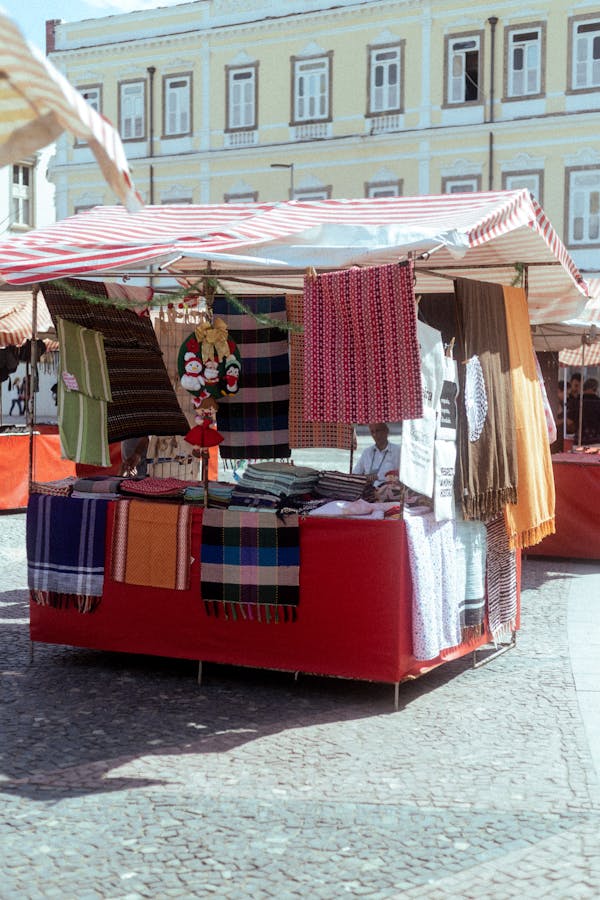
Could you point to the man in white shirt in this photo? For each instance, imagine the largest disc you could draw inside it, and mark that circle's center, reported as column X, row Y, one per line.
column 380, row 458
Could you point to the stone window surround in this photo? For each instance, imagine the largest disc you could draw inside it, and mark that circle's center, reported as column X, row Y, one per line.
column 464, row 35
column 299, row 59
column 569, row 170
column 508, row 30
column 228, row 71
column 120, row 84
column 373, row 48
column 165, row 78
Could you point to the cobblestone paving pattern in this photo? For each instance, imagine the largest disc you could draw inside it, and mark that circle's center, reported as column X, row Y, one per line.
column 121, row 778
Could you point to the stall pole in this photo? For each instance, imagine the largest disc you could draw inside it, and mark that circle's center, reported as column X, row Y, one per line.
column 31, row 383
column 581, row 383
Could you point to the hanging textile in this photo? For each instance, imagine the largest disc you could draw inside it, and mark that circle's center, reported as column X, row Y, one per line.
column 361, row 352
column 254, row 422
column 250, row 564
column 83, row 394
column 487, row 470
column 303, row 433
column 531, row 518
column 436, row 580
column 151, row 544
column 471, row 553
column 65, row 545
column 501, row 581
column 143, row 401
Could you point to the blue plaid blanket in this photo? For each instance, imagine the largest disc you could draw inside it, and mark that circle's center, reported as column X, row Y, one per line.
column 65, row 544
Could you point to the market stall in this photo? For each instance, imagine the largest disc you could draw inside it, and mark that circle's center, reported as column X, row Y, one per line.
column 367, row 612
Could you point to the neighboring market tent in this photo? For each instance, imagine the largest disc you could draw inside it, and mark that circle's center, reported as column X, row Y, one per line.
column 16, row 318
column 500, row 236
column 38, row 104
column 587, row 351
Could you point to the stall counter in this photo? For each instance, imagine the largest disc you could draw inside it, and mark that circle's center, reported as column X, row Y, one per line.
column 354, row 614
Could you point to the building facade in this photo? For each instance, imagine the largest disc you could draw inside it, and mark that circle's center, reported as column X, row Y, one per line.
column 26, row 195
column 236, row 101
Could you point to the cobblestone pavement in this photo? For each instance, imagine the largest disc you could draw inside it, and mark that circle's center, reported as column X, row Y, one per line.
column 120, row 777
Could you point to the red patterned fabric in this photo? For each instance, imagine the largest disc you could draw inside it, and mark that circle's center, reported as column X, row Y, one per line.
column 155, row 487
column 362, row 361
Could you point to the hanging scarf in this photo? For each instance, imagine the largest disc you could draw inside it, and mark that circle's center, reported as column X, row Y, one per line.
column 487, row 471
column 531, row 518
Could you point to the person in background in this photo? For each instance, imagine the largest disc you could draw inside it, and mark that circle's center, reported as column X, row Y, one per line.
column 573, row 402
column 19, row 398
column 133, row 456
column 380, row 458
column 590, row 416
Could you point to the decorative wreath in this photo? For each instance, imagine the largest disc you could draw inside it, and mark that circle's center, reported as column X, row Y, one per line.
column 209, row 362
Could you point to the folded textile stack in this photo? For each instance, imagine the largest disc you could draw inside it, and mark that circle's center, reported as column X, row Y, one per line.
column 342, row 486
column 155, row 488
column 104, row 487
column 253, row 499
column 279, row 478
column 62, row 487
column 219, row 494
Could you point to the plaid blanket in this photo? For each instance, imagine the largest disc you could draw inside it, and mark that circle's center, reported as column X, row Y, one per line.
column 151, row 544
column 250, row 565
column 254, row 423
column 65, row 545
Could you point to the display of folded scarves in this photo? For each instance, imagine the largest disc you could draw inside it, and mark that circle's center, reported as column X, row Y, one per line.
column 344, row 486
column 105, row 487
column 156, row 488
column 219, row 494
column 254, row 500
column 62, row 487
column 279, row 478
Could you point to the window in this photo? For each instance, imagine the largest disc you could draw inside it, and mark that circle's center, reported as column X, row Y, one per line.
column 132, row 110
column 463, row 71
column 242, row 98
column 250, row 197
column 585, row 53
column 461, row 185
column 93, row 95
column 584, row 206
column 177, row 105
column 383, row 189
column 311, row 89
column 524, row 64
column 22, row 195
column 385, row 80
column 531, row 181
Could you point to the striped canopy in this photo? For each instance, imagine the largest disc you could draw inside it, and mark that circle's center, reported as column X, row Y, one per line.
column 37, row 104
column 587, row 350
column 500, row 236
column 16, row 319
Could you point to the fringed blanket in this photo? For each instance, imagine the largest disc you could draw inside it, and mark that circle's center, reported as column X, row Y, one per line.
column 531, row 518
column 250, row 565
column 501, row 581
column 151, row 544
column 83, row 603
column 254, row 422
column 487, row 470
column 303, row 433
column 65, row 545
column 362, row 359
column 471, row 553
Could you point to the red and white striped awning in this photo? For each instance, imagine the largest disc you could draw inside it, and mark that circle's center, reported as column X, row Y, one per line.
column 493, row 236
column 587, row 353
column 16, row 319
column 38, row 104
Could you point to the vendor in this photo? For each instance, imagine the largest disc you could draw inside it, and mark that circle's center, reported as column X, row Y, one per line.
column 380, row 458
column 134, row 460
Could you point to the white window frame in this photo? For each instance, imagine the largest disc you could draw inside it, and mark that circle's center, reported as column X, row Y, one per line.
column 312, row 193
column 458, row 49
column 92, row 94
column 516, row 181
column 385, row 66
column 177, row 105
column 242, row 98
column 465, row 184
column 248, row 197
column 584, row 207
column 585, row 54
column 311, row 89
column 22, row 212
column 383, row 189
column 132, row 110
column 524, row 48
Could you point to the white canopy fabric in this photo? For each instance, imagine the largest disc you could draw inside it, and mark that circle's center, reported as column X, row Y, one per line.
column 38, row 104
column 586, row 351
column 492, row 236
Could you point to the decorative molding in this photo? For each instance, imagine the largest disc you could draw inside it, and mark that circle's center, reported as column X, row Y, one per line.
column 522, row 162
column 242, row 59
column 461, row 168
column 587, row 156
column 312, row 49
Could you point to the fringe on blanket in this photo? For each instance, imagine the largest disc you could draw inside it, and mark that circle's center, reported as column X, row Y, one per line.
column 532, row 536
column 83, row 603
column 252, row 612
column 485, row 506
